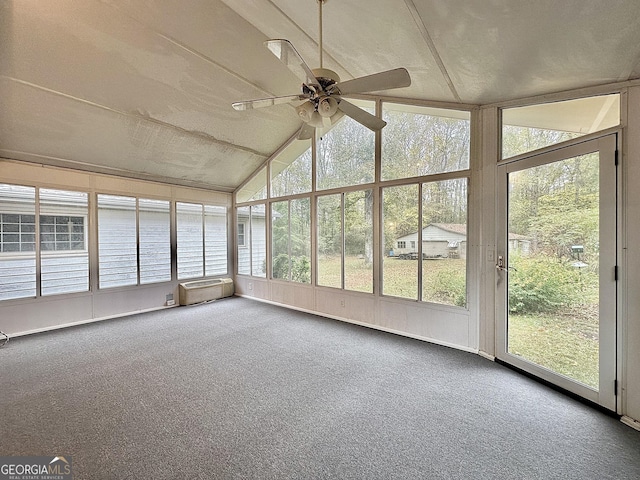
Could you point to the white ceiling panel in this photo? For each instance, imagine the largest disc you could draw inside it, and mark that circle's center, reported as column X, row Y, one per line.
column 501, row 49
column 144, row 87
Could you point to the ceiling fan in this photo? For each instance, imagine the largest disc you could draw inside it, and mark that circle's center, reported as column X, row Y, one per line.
column 320, row 104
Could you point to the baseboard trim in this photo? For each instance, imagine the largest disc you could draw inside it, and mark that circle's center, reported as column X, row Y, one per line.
column 364, row 324
column 635, row 424
column 487, row 356
column 84, row 322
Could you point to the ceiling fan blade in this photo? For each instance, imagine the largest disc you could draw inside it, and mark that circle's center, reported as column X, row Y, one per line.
column 361, row 116
column 267, row 102
column 396, row 78
column 286, row 52
column 306, row 132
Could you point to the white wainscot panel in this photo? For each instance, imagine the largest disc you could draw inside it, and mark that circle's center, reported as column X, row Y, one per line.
column 446, row 326
column 294, row 294
column 119, row 301
column 34, row 316
column 345, row 305
column 252, row 287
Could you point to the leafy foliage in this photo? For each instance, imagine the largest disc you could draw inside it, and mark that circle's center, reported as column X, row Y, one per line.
column 300, row 268
column 450, row 288
column 543, row 285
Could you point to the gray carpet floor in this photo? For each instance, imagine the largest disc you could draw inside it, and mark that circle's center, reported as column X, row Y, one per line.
column 241, row 389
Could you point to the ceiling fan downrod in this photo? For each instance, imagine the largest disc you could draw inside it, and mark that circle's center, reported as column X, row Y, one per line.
column 320, row 3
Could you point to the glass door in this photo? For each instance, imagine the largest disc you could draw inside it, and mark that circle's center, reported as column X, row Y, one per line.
column 557, row 267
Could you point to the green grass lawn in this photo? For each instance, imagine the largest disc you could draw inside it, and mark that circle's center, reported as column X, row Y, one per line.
column 400, row 277
column 564, row 344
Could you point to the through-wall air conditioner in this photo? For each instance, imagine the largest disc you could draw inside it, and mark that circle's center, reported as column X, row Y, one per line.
column 199, row 291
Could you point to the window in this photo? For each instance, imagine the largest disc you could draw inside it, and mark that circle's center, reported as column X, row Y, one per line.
column 254, row 189
column 291, row 170
column 155, row 240
column 215, row 236
column 202, row 240
column 242, row 241
column 61, row 233
column 444, row 242
column 358, row 241
column 252, row 241
column 18, row 232
column 17, row 242
column 330, row 241
column 400, row 219
column 117, row 241
column 291, row 240
column 258, row 241
column 529, row 128
column 345, row 240
column 421, row 141
column 244, row 235
column 346, row 154
column 64, row 258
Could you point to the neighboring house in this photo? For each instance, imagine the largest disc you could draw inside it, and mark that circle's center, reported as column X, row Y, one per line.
column 447, row 240
column 439, row 240
column 519, row 243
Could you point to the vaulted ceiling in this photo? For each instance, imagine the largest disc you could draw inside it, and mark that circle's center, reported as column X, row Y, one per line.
column 143, row 88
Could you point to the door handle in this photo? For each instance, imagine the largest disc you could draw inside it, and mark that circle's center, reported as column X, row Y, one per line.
column 500, row 265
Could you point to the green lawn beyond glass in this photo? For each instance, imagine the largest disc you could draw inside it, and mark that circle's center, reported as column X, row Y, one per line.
column 443, row 280
column 564, row 343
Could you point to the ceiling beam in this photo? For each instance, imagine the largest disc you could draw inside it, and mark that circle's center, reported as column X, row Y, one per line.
column 432, row 47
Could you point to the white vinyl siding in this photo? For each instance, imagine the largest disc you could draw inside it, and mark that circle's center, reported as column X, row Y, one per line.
column 155, row 240
column 117, row 242
column 258, row 242
column 215, row 235
column 17, row 242
column 244, row 236
column 190, row 240
column 64, row 258
column 202, row 240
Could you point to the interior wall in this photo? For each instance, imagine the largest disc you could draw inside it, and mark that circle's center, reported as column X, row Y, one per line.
column 629, row 332
column 29, row 315
column 441, row 324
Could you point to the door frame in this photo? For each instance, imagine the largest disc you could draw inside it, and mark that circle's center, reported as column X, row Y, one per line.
column 607, row 145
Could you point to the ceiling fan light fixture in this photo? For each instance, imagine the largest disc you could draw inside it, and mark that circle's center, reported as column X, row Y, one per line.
column 306, row 111
column 316, row 120
column 327, row 107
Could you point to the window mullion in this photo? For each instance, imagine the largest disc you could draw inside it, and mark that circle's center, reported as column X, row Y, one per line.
column 36, row 242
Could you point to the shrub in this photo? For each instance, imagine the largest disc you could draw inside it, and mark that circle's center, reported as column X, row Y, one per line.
column 542, row 285
column 450, row 287
column 300, row 268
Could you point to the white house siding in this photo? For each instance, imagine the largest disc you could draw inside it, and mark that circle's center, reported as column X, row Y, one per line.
column 215, row 234
column 17, row 269
column 155, row 241
column 64, row 261
column 436, row 242
column 252, row 255
column 258, row 243
column 117, row 242
column 190, row 240
column 64, row 272
column 18, row 276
